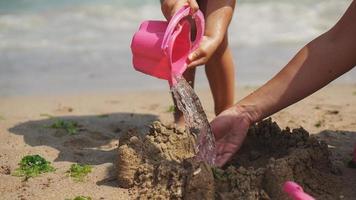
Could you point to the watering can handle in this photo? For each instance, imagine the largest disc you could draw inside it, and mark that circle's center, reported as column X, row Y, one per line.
column 182, row 13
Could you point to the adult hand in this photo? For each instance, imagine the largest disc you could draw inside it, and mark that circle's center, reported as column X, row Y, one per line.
column 230, row 129
column 170, row 7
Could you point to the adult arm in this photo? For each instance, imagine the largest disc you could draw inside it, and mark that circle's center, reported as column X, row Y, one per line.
column 314, row 66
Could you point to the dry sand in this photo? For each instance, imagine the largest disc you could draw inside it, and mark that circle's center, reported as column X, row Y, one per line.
column 159, row 166
column 330, row 114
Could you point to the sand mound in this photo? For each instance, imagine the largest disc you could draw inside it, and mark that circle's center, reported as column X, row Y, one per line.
column 159, row 165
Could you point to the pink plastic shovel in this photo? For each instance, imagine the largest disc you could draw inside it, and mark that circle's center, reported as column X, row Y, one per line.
column 161, row 48
column 295, row 191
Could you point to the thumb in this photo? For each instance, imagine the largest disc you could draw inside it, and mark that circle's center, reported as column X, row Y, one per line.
column 219, row 127
column 196, row 58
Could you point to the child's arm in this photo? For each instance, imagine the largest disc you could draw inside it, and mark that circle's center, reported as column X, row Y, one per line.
column 218, row 16
column 169, row 7
column 314, row 66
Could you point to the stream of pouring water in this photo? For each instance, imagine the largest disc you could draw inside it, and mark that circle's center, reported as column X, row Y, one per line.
column 196, row 121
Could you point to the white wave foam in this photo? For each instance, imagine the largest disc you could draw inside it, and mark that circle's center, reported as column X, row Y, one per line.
column 282, row 22
column 256, row 23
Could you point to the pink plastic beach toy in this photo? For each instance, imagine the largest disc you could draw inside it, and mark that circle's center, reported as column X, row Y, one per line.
column 295, row 191
column 161, row 48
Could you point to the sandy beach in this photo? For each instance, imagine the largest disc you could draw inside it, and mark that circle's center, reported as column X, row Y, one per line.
column 330, row 114
column 70, row 61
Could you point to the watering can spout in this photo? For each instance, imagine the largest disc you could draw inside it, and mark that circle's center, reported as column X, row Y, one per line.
column 161, row 48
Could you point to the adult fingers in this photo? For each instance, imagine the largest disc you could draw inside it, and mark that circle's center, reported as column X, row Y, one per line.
column 224, row 151
column 219, row 127
column 222, row 159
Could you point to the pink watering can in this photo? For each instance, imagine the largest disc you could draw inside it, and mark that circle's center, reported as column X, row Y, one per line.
column 161, row 48
column 295, row 191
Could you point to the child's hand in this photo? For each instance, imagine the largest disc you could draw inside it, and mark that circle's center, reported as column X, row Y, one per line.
column 218, row 15
column 170, row 7
column 202, row 54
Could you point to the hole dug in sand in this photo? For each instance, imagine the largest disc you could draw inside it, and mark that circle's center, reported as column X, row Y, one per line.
column 159, row 165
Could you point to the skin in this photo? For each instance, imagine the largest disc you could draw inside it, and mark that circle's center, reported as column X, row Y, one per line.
column 314, row 66
column 213, row 51
column 218, row 60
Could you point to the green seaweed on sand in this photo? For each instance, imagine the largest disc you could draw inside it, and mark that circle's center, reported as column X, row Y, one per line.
column 318, row 124
column 46, row 115
column 79, row 171
column 170, row 109
column 219, row 174
column 2, row 118
column 71, row 127
column 32, row 166
column 103, row 116
column 81, row 198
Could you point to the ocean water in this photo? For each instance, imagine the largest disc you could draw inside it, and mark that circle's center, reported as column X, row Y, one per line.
column 71, row 46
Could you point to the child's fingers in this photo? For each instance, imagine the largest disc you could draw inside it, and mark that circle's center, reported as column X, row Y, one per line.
column 198, row 57
column 174, row 7
column 197, row 54
column 193, row 5
column 194, row 55
column 196, row 63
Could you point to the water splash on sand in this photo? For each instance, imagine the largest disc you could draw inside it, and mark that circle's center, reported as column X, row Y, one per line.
column 195, row 120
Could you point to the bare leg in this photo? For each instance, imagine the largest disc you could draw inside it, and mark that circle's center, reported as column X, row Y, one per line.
column 220, row 72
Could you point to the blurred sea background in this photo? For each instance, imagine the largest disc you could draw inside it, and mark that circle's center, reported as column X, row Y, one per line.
column 72, row 46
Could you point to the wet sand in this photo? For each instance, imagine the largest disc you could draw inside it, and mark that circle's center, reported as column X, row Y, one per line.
column 329, row 114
